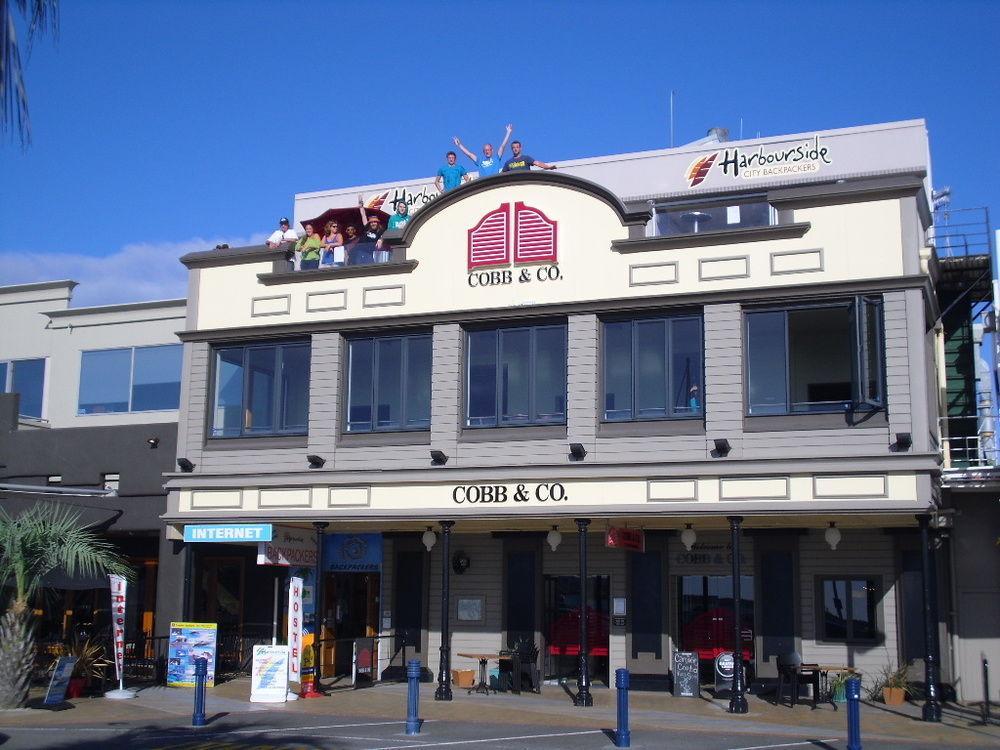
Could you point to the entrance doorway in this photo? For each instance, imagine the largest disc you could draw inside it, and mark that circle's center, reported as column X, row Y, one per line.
column 220, row 593
column 705, row 617
column 352, row 607
column 562, row 626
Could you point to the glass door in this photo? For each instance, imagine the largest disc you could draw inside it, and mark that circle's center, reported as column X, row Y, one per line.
column 562, row 626
column 705, row 613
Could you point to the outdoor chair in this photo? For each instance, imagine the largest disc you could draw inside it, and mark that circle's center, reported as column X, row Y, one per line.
column 791, row 673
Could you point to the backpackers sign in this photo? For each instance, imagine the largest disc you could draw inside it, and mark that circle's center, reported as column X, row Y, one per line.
column 520, row 236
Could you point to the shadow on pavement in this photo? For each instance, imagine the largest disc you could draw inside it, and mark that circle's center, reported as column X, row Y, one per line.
column 945, row 711
column 185, row 738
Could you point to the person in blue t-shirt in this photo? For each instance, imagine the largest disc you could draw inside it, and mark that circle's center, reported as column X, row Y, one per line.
column 451, row 175
column 489, row 163
column 401, row 218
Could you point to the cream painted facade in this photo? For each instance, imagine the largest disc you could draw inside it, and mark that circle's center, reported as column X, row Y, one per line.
column 853, row 227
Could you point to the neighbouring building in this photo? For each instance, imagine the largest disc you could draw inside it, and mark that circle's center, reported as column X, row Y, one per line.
column 88, row 419
column 627, row 373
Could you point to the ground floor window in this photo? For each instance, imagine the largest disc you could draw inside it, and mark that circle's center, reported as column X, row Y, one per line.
column 705, row 615
column 847, row 609
column 562, row 626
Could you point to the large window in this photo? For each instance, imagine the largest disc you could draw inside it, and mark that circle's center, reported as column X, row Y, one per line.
column 653, row 369
column 389, row 383
column 26, row 377
column 261, row 390
column 815, row 358
column 847, row 609
column 146, row 378
column 516, row 376
column 696, row 218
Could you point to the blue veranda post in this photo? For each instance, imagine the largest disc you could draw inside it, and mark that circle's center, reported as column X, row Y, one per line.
column 413, row 697
column 200, row 678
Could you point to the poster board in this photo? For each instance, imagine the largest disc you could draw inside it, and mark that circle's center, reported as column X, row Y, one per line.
column 56, row 693
column 686, row 681
column 269, row 674
column 189, row 641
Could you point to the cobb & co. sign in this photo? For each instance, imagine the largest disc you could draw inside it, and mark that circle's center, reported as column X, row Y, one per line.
column 483, row 494
column 522, row 236
column 808, row 156
column 288, row 546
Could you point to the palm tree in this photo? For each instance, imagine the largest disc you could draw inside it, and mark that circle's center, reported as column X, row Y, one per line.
column 44, row 538
column 41, row 16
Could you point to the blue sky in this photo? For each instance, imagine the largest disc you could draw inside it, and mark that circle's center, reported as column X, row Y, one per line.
column 161, row 127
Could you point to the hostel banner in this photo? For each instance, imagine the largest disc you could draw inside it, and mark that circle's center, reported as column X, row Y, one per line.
column 294, row 629
column 118, row 591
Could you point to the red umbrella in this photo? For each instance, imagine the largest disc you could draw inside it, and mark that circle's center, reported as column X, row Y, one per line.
column 346, row 216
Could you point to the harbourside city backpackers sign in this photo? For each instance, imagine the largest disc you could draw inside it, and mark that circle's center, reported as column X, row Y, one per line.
column 804, row 158
column 522, row 236
column 288, row 546
column 352, row 553
column 414, row 199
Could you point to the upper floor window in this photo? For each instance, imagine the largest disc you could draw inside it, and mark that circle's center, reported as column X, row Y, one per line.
column 26, row 377
column 389, row 383
column 142, row 378
column 261, row 389
column 695, row 218
column 653, row 369
column 815, row 358
column 516, row 376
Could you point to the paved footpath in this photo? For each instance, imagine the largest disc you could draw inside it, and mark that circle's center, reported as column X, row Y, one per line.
column 372, row 719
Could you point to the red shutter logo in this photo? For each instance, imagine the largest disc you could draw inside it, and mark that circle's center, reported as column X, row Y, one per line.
column 534, row 238
column 489, row 243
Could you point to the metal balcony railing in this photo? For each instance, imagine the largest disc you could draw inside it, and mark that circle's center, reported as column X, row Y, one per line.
column 961, row 232
column 969, row 442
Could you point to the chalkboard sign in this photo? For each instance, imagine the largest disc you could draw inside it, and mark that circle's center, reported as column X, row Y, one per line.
column 724, row 666
column 686, row 674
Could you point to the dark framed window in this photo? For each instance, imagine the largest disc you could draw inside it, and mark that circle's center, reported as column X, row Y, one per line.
column 706, row 217
column 26, row 377
column 847, row 609
column 389, row 383
column 516, row 376
column 261, row 389
column 653, row 369
column 143, row 378
column 815, row 358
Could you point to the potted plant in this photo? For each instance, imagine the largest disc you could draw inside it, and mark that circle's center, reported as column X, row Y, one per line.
column 838, row 687
column 894, row 685
column 90, row 665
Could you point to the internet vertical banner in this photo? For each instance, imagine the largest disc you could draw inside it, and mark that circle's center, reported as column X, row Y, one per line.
column 294, row 629
column 118, row 589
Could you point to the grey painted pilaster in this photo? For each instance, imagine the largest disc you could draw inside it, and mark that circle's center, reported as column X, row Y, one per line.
column 446, row 394
column 916, row 380
column 724, row 377
column 324, row 393
column 582, row 378
column 897, row 363
column 193, row 408
column 169, row 584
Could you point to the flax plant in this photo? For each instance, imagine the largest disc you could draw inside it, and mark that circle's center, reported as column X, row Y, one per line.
column 44, row 538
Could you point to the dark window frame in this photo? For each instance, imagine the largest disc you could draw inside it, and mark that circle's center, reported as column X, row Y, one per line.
column 875, row 591
column 859, row 363
column 131, row 378
column 755, row 199
column 404, row 379
column 278, row 408
column 7, row 386
column 602, row 374
column 533, row 328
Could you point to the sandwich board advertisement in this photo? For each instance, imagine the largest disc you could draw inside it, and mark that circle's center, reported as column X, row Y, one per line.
column 190, row 641
column 269, row 675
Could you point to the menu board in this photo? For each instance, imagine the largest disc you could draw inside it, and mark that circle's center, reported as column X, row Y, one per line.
column 686, row 683
column 190, row 641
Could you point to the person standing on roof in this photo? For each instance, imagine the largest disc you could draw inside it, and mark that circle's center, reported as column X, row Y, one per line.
column 519, row 162
column 451, row 175
column 282, row 234
column 489, row 163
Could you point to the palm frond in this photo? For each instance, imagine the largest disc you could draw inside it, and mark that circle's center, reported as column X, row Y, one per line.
column 41, row 16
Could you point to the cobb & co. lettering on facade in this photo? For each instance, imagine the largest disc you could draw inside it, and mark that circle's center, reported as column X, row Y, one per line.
column 493, row 246
column 804, row 158
column 502, row 493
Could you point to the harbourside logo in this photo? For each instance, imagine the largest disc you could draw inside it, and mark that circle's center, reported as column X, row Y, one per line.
column 808, row 156
column 492, row 244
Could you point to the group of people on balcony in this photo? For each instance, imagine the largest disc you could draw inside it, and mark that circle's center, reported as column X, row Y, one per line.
column 356, row 245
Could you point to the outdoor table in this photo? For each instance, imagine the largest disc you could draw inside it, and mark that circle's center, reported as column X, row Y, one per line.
column 484, row 685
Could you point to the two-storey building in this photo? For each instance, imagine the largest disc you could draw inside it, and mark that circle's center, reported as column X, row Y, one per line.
column 631, row 372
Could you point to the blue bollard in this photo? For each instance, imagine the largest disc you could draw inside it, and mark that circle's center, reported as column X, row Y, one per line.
column 853, row 691
column 623, row 737
column 200, row 678
column 413, row 696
